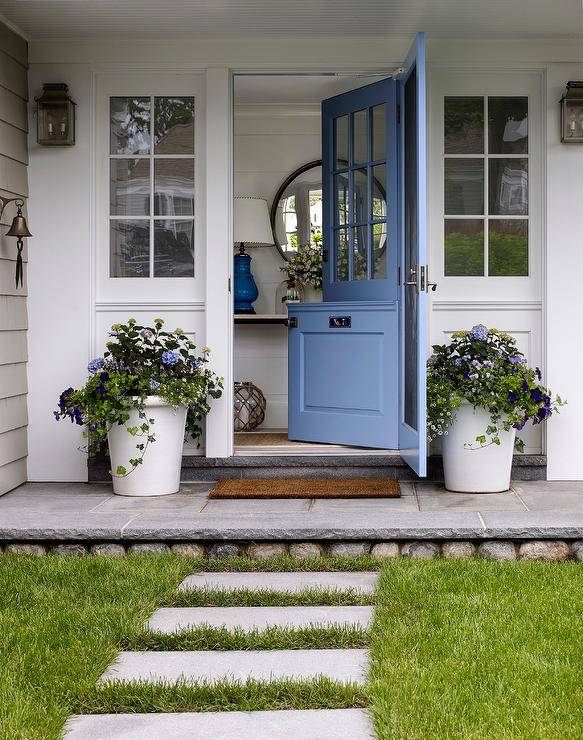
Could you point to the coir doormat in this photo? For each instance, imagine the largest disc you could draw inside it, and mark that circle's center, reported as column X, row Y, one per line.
column 306, row 488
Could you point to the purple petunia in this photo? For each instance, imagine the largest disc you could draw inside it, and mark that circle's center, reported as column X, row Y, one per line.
column 512, row 397
column 96, row 364
column 538, row 373
column 170, row 357
column 536, row 395
column 520, row 424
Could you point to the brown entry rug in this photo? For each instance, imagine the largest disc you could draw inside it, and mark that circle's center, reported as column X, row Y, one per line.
column 306, row 488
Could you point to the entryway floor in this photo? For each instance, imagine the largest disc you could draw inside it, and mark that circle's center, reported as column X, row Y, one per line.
column 75, row 511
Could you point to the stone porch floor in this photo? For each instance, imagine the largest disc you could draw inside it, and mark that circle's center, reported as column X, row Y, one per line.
column 74, row 512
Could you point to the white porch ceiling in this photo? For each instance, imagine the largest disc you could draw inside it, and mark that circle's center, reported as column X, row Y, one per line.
column 167, row 19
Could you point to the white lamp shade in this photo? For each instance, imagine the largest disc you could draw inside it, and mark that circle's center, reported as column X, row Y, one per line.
column 252, row 225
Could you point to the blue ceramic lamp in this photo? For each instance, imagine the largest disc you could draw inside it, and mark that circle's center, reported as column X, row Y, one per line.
column 252, row 229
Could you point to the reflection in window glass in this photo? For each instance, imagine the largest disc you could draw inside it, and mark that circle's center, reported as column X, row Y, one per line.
column 174, row 248
column 360, row 253
column 341, row 199
column 174, row 125
column 341, row 252
column 360, row 137
column 129, row 249
column 464, row 247
column 508, row 187
column 508, row 247
column 379, row 132
column 360, row 209
column 464, row 187
column 507, row 125
column 379, row 192
column 341, row 129
column 129, row 191
column 174, row 187
column 129, row 125
column 379, row 251
column 464, row 125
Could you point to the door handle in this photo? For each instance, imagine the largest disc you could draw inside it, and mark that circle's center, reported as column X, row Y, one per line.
column 415, row 280
column 428, row 284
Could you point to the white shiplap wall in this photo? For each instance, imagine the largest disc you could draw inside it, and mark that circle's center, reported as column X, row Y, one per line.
column 270, row 142
column 13, row 315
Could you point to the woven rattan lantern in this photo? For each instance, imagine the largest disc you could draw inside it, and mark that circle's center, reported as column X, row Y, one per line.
column 249, row 407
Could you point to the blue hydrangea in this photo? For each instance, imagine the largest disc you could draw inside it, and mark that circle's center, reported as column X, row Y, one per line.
column 154, row 385
column 96, row 364
column 170, row 357
column 517, row 360
column 458, row 361
column 478, row 333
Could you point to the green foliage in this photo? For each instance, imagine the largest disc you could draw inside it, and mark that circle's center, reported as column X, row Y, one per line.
column 485, row 368
column 140, row 362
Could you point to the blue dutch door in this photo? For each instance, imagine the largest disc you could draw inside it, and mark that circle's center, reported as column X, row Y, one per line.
column 357, row 360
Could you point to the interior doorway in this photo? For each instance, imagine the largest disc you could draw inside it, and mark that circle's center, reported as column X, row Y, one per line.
column 277, row 158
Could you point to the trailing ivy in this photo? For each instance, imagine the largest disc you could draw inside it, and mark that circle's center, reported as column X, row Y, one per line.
column 140, row 361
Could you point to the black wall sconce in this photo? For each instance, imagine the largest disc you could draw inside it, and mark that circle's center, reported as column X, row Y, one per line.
column 55, row 116
column 18, row 229
column 572, row 114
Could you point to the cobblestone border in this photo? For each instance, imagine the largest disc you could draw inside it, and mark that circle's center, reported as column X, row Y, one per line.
column 541, row 550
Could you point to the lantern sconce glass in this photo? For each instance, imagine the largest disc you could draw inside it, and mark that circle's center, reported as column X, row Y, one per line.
column 55, row 116
column 18, row 229
column 572, row 114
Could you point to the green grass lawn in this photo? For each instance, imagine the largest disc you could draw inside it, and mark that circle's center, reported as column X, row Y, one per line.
column 463, row 649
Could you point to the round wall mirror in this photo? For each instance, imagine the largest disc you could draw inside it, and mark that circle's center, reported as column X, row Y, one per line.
column 296, row 212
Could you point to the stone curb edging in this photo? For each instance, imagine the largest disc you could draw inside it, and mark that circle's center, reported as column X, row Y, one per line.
column 540, row 550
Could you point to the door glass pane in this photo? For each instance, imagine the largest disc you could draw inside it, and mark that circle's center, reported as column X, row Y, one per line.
column 129, row 125
column 129, row 191
column 174, row 248
column 360, row 212
column 174, row 187
column 129, row 246
column 379, row 192
column 341, row 255
column 464, row 247
column 360, row 137
column 341, row 137
column 464, row 125
column 464, row 187
column 508, row 187
column 379, row 251
column 174, row 125
column 379, row 132
column 508, row 247
column 508, row 125
column 360, row 253
column 341, row 199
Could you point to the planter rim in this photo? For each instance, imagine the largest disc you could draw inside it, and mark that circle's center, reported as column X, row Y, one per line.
column 151, row 401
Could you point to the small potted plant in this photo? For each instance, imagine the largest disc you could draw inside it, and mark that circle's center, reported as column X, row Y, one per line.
column 480, row 392
column 140, row 398
column 305, row 269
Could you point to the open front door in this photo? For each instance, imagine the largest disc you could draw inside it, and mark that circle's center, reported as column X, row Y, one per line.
column 343, row 353
column 412, row 376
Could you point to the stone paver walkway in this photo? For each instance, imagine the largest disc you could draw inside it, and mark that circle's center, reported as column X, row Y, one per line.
column 320, row 724
column 209, row 667
column 170, row 620
column 69, row 511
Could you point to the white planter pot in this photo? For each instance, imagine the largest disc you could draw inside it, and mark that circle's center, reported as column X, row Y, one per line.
column 159, row 474
column 312, row 295
column 469, row 467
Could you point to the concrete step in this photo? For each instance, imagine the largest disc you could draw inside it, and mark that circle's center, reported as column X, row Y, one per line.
column 313, row 724
column 362, row 582
column 177, row 619
column 238, row 665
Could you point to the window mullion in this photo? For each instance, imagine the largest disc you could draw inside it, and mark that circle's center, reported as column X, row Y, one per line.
column 152, row 117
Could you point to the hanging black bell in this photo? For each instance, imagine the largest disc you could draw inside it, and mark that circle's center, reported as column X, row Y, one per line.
column 19, row 229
